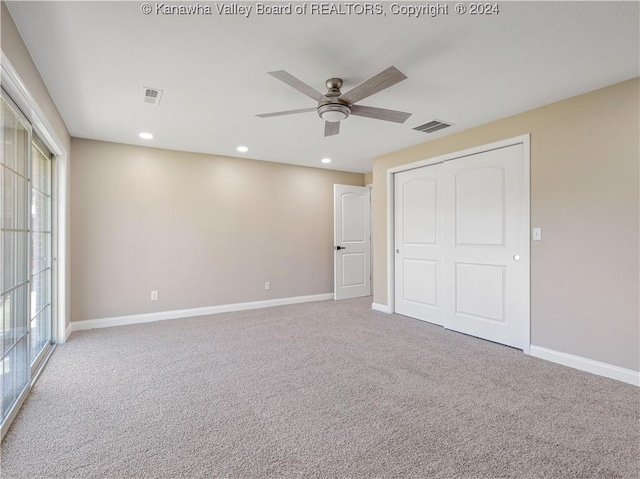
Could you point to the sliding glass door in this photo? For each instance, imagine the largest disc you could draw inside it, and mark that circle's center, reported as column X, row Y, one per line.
column 40, row 292
column 25, row 243
column 14, row 285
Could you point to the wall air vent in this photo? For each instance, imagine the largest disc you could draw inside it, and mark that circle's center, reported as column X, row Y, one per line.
column 151, row 96
column 432, row 126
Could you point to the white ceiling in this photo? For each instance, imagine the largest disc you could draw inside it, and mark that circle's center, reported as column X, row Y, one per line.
column 95, row 57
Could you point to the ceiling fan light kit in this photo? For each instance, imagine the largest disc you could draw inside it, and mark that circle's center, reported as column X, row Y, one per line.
column 335, row 106
column 333, row 112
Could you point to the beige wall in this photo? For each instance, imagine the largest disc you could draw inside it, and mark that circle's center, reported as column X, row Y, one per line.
column 584, row 195
column 16, row 51
column 368, row 178
column 202, row 230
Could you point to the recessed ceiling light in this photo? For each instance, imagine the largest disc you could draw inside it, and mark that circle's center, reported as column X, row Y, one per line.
column 326, row 160
column 146, row 136
column 242, row 149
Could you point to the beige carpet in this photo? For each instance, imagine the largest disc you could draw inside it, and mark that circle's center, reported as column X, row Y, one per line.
column 329, row 389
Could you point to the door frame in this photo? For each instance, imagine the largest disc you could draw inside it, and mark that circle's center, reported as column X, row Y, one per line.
column 525, row 141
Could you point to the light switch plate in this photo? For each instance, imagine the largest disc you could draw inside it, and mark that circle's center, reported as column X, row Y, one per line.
column 537, row 234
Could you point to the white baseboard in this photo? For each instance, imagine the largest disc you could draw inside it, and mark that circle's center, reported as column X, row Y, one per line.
column 185, row 313
column 596, row 367
column 383, row 308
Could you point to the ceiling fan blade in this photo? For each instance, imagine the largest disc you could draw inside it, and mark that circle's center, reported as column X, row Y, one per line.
column 288, row 112
column 376, row 83
column 331, row 128
column 299, row 85
column 380, row 113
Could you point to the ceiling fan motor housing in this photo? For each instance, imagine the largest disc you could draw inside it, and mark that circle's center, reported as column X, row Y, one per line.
column 335, row 109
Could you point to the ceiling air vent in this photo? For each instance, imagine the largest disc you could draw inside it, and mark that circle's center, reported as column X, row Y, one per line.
column 151, row 96
column 432, row 126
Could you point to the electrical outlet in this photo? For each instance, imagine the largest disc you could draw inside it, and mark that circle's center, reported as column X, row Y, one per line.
column 154, row 296
column 267, row 285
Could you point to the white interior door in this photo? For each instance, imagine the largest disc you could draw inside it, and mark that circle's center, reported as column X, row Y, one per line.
column 418, row 243
column 352, row 241
column 461, row 244
column 486, row 247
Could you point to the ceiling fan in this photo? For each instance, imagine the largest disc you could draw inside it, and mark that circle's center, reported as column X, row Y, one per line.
column 335, row 106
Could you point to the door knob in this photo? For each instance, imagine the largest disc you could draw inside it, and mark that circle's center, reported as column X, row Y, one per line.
column 340, row 247
column 516, row 257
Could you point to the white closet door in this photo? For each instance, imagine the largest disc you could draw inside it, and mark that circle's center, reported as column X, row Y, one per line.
column 418, row 243
column 486, row 245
